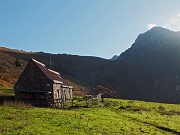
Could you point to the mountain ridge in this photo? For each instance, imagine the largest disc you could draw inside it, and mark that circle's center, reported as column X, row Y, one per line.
column 149, row 70
column 158, row 52
column 115, row 57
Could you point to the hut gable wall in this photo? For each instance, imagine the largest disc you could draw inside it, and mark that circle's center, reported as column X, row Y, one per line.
column 33, row 79
column 39, row 85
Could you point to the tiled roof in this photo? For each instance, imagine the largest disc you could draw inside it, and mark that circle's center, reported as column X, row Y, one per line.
column 52, row 75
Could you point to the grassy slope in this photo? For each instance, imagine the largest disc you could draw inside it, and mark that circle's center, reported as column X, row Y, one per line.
column 9, row 73
column 114, row 116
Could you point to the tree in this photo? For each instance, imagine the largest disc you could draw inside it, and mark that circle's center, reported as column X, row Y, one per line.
column 17, row 63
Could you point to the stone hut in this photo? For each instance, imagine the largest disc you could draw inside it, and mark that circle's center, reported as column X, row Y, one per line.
column 41, row 86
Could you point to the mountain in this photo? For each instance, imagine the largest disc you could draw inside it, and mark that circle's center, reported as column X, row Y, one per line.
column 77, row 70
column 155, row 57
column 115, row 57
column 149, row 70
column 153, row 44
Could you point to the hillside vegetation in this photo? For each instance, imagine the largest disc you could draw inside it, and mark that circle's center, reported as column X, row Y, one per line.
column 10, row 71
column 149, row 70
column 76, row 69
column 113, row 116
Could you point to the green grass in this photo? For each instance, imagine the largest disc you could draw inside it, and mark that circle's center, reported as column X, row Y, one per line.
column 114, row 116
column 6, row 92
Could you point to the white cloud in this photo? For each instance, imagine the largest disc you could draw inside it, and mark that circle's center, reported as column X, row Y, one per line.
column 178, row 15
column 173, row 23
column 151, row 25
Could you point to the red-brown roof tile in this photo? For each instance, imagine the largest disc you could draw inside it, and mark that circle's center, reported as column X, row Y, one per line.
column 51, row 74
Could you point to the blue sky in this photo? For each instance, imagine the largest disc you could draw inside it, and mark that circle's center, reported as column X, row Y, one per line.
column 99, row 28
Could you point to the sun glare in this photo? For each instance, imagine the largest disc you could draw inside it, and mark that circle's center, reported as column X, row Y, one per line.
column 151, row 25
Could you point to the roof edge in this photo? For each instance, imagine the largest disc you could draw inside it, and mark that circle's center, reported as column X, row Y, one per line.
column 56, row 81
column 38, row 62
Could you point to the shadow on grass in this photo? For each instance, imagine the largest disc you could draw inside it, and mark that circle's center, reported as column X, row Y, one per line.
column 6, row 98
column 77, row 107
column 6, row 95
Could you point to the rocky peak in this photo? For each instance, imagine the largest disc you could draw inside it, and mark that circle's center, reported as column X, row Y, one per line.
column 115, row 57
column 155, row 42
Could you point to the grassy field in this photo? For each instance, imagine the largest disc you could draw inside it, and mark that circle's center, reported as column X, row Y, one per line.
column 113, row 116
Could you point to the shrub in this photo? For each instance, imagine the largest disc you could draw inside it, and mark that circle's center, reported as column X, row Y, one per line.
column 17, row 104
column 6, row 78
column 17, row 63
column 161, row 108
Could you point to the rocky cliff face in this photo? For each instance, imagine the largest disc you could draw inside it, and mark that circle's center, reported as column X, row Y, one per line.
column 157, row 43
column 155, row 55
